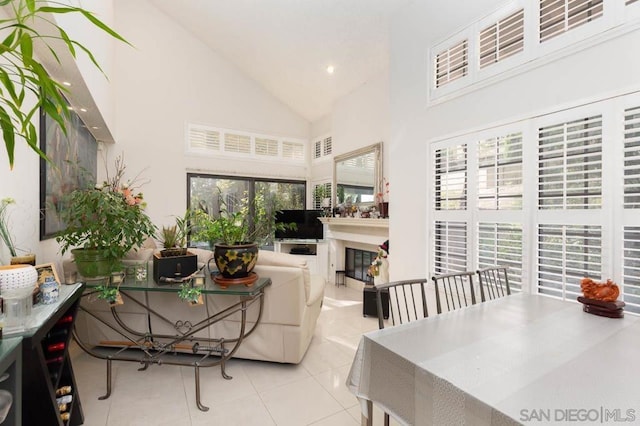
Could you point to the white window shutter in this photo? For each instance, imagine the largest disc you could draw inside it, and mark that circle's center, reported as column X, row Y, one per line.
column 452, row 63
column 632, row 158
column 501, row 244
column 328, row 148
column 266, row 147
column 240, row 144
column 503, row 39
column 451, row 178
column 293, row 150
column 317, row 149
column 499, row 179
column 450, row 247
column 631, row 271
column 202, row 138
column 559, row 16
column 566, row 254
column 570, row 165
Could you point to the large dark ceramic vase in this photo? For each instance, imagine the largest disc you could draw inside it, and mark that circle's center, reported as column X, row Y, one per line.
column 235, row 263
column 92, row 263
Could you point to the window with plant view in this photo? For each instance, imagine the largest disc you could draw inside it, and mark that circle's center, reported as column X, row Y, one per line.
column 259, row 198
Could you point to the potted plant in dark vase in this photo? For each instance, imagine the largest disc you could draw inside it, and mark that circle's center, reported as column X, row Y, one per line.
column 174, row 261
column 103, row 224
column 235, row 237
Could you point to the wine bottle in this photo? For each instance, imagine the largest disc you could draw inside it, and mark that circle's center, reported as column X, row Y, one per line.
column 66, row 399
column 65, row 320
column 57, row 334
column 54, row 360
column 63, row 407
column 64, row 390
column 65, row 416
column 55, row 347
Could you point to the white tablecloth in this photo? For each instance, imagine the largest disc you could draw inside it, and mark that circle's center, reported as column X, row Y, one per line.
column 521, row 359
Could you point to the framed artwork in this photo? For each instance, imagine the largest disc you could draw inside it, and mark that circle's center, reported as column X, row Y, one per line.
column 73, row 165
column 46, row 270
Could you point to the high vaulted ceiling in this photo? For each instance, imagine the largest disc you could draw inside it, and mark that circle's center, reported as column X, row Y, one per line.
column 287, row 45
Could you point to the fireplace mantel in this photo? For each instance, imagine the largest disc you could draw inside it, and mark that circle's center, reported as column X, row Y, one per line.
column 359, row 233
column 355, row 221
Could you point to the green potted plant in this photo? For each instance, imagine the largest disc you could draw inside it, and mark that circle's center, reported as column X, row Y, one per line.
column 110, row 294
column 23, row 73
column 174, row 261
column 235, row 237
column 190, row 293
column 103, row 224
column 7, row 238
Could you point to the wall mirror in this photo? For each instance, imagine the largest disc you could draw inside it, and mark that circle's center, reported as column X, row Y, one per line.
column 357, row 175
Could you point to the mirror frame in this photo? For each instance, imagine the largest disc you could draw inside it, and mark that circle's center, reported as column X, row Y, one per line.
column 376, row 149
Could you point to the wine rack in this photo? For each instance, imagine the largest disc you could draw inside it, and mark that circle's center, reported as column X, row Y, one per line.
column 50, row 395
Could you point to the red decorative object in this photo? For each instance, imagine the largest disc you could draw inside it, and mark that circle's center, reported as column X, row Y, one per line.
column 607, row 292
column 600, row 298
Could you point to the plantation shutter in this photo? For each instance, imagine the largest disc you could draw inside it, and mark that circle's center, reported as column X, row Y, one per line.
column 240, row 144
column 499, row 179
column 317, row 149
column 452, row 63
column 451, row 178
column 293, row 151
column 502, row 39
column 570, row 165
column 201, row 138
column 632, row 158
column 631, row 271
column 317, row 201
column 450, row 247
column 501, row 244
column 327, row 146
column 566, row 254
column 266, row 147
column 559, row 16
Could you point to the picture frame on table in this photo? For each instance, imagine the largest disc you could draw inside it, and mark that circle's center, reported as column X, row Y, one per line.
column 47, row 269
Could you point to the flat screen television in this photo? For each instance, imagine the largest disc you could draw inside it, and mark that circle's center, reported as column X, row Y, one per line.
column 308, row 226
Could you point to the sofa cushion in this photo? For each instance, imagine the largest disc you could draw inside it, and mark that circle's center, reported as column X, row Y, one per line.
column 271, row 258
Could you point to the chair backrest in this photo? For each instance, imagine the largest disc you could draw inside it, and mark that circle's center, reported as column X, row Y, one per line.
column 407, row 301
column 494, row 282
column 454, row 291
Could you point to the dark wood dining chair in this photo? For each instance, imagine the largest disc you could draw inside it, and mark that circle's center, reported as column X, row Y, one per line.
column 454, row 291
column 407, row 302
column 494, row 282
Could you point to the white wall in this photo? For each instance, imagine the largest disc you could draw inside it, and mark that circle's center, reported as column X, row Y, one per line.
column 593, row 73
column 171, row 78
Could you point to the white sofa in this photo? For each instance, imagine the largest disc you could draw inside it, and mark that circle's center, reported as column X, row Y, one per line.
column 292, row 305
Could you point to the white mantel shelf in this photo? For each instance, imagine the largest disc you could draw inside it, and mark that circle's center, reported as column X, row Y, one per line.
column 355, row 221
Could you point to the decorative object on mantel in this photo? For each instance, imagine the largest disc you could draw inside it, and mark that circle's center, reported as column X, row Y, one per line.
column 600, row 298
column 379, row 268
column 382, row 198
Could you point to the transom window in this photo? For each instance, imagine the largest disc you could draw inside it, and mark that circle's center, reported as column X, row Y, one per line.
column 502, row 39
column 452, row 63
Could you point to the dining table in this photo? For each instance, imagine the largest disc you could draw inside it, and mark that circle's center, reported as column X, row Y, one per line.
column 521, row 359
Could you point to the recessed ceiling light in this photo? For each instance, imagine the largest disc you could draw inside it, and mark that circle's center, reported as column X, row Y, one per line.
column 330, row 69
column 70, row 108
column 66, row 83
column 83, row 109
column 95, row 127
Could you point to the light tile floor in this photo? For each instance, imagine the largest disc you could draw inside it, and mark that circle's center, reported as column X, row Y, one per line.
column 260, row 393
